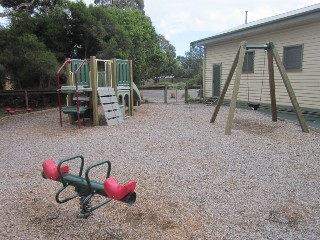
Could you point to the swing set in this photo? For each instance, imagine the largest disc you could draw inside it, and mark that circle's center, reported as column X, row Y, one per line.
column 272, row 54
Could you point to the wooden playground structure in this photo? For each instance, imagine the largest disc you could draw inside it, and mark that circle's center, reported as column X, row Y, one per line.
column 93, row 80
column 237, row 65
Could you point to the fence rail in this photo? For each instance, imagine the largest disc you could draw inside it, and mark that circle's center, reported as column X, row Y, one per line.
column 27, row 92
column 173, row 87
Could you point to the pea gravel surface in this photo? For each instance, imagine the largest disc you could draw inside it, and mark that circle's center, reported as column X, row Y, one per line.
column 193, row 181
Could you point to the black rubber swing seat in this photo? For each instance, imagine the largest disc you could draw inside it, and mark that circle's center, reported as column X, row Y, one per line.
column 254, row 106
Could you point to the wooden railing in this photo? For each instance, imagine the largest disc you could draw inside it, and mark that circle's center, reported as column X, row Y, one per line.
column 27, row 93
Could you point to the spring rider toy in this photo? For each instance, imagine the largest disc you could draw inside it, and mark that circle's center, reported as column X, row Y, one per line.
column 85, row 188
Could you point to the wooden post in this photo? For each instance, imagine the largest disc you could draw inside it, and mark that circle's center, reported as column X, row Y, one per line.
column 110, row 74
column 131, row 88
column 165, row 93
column 186, row 93
column 289, row 88
column 226, row 85
column 114, row 76
column 201, row 92
column 26, row 98
column 202, row 88
column 235, row 89
column 272, row 86
column 70, row 83
column 94, row 96
column 176, row 94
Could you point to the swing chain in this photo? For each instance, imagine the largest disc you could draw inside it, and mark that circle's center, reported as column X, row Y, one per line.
column 263, row 71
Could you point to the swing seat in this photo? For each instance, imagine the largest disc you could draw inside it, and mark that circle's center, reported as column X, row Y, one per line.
column 254, row 106
column 117, row 191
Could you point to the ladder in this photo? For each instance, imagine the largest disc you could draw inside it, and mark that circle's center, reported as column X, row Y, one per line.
column 111, row 108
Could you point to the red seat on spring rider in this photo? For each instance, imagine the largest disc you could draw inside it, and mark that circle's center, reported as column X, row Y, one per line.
column 50, row 169
column 117, row 191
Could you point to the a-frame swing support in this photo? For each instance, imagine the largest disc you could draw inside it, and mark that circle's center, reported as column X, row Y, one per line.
column 237, row 67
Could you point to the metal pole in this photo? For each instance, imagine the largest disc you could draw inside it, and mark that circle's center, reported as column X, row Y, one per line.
column 246, row 21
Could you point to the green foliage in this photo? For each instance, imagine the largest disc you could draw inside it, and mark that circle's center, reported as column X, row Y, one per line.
column 115, row 33
column 122, row 4
column 33, row 43
column 11, row 4
column 191, row 82
column 27, row 61
column 191, row 65
column 165, row 83
column 169, row 64
column 46, row 32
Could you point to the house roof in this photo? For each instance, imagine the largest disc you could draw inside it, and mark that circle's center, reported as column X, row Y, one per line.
column 278, row 21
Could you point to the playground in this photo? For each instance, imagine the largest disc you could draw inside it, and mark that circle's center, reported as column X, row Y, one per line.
column 193, row 181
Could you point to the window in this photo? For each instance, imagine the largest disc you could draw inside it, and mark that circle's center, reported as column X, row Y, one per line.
column 292, row 57
column 248, row 63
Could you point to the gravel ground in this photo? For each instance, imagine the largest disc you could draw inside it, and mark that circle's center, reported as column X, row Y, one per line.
column 193, row 181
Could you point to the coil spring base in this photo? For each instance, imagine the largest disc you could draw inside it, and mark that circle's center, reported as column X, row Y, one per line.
column 84, row 208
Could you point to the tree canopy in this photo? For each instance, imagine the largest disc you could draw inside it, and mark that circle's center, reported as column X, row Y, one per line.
column 122, row 4
column 41, row 34
column 191, row 65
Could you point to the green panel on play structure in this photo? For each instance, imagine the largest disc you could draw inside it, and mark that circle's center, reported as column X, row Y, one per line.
column 123, row 72
column 83, row 74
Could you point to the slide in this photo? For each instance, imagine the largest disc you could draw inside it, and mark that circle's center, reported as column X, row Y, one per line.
column 136, row 95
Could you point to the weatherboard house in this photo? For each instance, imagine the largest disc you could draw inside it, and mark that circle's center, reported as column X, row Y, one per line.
column 295, row 35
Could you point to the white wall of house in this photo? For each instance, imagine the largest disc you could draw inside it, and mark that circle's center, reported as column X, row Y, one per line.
column 306, row 83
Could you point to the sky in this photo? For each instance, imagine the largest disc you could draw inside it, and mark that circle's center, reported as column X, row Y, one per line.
column 185, row 21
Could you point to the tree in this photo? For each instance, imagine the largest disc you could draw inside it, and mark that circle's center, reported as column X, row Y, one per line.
column 27, row 61
column 31, row 46
column 86, row 31
column 50, row 31
column 15, row 6
column 170, row 52
column 116, row 33
column 141, row 43
column 192, row 64
column 122, row 4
